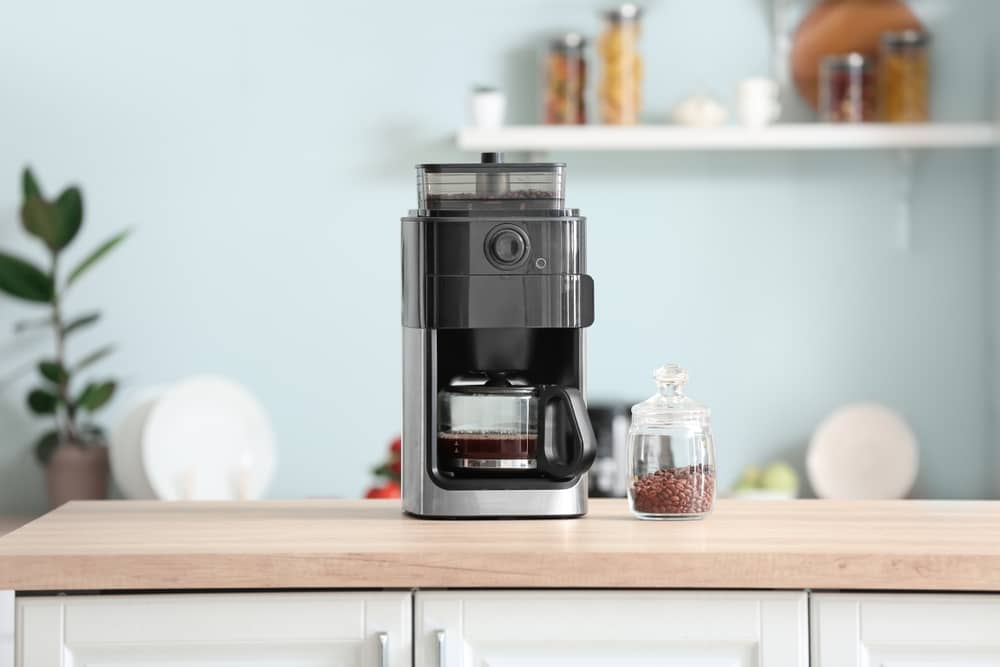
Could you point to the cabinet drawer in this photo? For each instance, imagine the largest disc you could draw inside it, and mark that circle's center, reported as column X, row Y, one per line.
column 904, row 630
column 287, row 629
column 621, row 628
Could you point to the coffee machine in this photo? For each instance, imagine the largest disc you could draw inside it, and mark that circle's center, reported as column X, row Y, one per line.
column 496, row 301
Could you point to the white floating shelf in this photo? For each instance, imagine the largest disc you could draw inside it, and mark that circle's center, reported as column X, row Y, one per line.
column 804, row 136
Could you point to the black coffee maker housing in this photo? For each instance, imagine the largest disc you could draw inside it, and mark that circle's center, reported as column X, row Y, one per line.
column 495, row 290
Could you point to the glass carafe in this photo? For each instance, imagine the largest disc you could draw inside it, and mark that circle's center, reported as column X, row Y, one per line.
column 671, row 455
column 504, row 428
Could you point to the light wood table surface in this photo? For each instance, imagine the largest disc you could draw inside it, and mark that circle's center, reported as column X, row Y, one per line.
column 896, row 545
column 9, row 523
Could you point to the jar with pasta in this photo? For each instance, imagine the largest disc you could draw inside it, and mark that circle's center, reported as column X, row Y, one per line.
column 619, row 93
column 903, row 77
column 566, row 80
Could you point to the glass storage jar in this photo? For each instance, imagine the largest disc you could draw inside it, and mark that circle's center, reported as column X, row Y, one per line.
column 566, row 81
column 621, row 66
column 671, row 455
column 847, row 91
column 903, row 76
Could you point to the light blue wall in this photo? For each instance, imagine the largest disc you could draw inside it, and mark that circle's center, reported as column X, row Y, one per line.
column 264, row 150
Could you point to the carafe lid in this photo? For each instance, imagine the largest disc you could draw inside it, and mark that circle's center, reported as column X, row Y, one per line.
column 670, row 406
column 494, row 383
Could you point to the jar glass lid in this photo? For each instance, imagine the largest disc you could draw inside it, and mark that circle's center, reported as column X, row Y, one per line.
column 669, row 405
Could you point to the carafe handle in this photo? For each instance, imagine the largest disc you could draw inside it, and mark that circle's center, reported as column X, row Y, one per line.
column 547, row 457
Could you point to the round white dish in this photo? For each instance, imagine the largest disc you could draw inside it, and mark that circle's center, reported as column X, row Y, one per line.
column 208, row 438
column 126, row 451
column 863, row 451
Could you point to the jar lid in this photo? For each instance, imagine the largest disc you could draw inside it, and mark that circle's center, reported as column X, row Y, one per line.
column 571, row 41
column 670, row 406
column 626, row 12
column 846, row 61
column 914, row 38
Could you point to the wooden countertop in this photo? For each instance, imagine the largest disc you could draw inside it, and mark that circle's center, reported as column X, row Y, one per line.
column 916, row 545
column 10, row 523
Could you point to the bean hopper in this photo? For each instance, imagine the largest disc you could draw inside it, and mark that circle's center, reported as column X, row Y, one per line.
column 495, row 305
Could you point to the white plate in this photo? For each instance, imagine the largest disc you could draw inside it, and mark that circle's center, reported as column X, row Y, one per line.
column 864, row 450
column 126, row 451
column 208, row 438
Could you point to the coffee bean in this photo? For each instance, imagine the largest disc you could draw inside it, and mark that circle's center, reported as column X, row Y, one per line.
column 688, row 490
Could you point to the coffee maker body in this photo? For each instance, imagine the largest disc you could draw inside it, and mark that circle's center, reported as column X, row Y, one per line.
column 496, row 302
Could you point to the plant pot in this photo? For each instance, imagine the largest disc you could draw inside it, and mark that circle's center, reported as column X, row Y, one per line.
column 77, row 472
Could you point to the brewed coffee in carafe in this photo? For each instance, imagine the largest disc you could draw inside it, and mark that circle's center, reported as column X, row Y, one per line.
column 500, row 426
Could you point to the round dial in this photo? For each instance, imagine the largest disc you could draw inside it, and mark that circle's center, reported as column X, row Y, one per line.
column 507, row 246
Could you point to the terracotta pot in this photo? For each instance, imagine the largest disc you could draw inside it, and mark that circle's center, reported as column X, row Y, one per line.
column 77, row 473
column 843, row 26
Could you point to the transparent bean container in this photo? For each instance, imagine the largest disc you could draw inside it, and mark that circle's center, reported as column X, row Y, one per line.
column 671, row 454
column 491, row 184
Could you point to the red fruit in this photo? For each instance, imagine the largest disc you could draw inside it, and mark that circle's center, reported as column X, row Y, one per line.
column 395, row 467
column 396, row 445
column 388, row 490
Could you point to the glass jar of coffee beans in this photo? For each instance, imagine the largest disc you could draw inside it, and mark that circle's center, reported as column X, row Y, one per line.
column 671, row 455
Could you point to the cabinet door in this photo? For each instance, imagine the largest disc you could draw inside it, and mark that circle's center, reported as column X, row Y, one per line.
column 211, row 630
column 905, row 630
column 602, row 628
column 6, row 628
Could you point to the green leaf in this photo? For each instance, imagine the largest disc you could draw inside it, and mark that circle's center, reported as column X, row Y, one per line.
column 46, row 445
column 93, row 357
column 53, row 371
column 42, row 402
column 23, row 280
column 97, row 254
column 80, row 322
column 69, row 216
column 30, row 185
column 95, row 395
column 41, row 219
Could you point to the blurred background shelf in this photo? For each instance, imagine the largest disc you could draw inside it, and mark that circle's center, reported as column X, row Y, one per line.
column 804, row 136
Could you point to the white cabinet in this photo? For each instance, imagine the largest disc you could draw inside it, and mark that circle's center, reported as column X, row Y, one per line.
column 6, row 628
column 601, row 628
column 543, row 628
column 231, row 629
column 905, row 630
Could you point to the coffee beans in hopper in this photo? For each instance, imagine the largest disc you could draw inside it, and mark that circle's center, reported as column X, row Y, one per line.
column 688, row 490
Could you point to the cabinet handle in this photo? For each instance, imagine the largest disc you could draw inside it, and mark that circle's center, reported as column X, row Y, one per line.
column 441, row 647
column 383, row 649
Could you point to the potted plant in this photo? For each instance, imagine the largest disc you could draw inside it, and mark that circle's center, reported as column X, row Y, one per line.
column 73, row 450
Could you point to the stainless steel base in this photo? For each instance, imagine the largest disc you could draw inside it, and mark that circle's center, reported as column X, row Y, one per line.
column 421, row 495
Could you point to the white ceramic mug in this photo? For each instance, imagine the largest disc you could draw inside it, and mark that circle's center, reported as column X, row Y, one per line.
column 757, row 102
column 488, row 107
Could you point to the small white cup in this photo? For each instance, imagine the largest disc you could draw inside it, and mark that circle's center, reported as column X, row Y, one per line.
column 488, row 108
column 757, row 102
